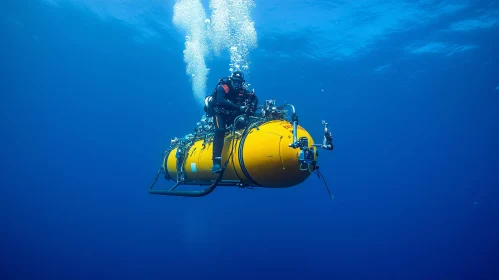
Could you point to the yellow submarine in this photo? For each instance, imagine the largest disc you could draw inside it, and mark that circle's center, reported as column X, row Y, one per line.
column 269, row 151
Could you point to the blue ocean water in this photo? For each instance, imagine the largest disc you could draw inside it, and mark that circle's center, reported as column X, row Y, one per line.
column 93, row 91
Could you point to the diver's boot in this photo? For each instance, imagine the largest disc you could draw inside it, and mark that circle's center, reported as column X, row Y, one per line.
column 180, row 176
column 217, row 165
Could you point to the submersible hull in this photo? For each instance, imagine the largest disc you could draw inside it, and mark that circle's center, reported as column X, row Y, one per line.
column 259, row 156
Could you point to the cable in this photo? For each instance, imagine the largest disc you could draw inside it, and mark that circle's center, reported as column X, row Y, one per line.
column 319, row 174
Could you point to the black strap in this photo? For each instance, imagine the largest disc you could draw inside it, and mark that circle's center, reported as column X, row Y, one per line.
column 240, row 156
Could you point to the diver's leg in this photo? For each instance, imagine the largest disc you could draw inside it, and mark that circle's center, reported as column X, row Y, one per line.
column 218, row 143
column 180, row 164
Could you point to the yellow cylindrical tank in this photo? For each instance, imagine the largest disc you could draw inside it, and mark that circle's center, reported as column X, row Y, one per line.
column 260, row 157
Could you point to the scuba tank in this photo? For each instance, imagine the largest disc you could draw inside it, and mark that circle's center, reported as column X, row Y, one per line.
column 209, row 106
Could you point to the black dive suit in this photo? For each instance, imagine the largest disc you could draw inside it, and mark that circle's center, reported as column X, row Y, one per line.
column 229, row 104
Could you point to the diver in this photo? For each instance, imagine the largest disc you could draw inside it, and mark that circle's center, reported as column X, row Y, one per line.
column 230, row 100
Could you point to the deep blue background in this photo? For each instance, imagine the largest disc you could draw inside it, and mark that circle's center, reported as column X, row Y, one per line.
column 86, row 113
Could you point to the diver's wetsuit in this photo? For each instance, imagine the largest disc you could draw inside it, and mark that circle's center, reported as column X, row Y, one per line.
column 229, row 102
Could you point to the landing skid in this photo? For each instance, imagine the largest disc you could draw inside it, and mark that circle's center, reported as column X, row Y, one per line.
column 212, row 185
